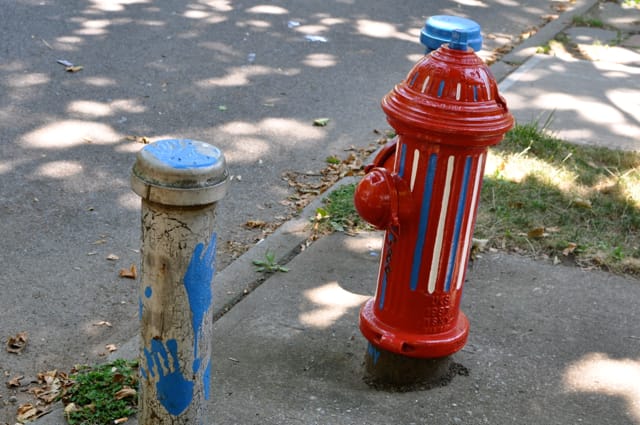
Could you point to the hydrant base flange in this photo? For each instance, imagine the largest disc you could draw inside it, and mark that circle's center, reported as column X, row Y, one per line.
column 427, row 345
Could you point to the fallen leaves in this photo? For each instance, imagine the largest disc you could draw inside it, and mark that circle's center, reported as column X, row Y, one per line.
column 125, row 392
column 17, row 343
column 111, row 348
column 49, row 386
column 536, row 233
column 581, row 203
column 571, row 247
column 235, row 248
column 15, row 381
column 309, row 185
column 255, row 224
column 130, row 273
column 139, row 139
column 29, row 412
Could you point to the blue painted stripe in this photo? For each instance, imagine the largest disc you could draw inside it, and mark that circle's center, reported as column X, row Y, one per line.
column 475, row 93
column 413, row 80
column 383, row 291
column 424, row 219
column 403, row 158
column 385, row 263
column 441, row 88
column 373, row 352
column 456, row 232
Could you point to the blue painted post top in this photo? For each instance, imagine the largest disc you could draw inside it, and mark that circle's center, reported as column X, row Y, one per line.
column 457, row 32
column 180, row 172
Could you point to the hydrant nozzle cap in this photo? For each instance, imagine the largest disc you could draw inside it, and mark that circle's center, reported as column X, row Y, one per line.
column 441, row 29
column 180, row 172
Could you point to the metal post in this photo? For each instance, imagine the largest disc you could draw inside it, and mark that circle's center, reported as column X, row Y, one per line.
column 180, row 182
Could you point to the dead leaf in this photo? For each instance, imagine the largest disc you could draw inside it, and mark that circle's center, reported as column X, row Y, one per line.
column 581, row 203
column 70, row 408
column 120, row 421
column 27, row 412
column 536, row 233
column 255, row 224
column 112, row 257
column 103, row 323
column 569, row 249
column 139, row 139
column 131, row 273
column 111, row 348
column 125, row 392
column 15, row 381
column 17, row 343
column 75, row 68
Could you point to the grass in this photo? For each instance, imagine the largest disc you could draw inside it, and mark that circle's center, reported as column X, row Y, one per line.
column 585, row 21
column 339, row 213
column 545, row 197
column 102, row 394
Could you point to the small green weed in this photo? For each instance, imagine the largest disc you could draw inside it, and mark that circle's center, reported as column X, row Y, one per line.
column 269, row 264
column 585, row 21
column 102, row 394
column 333, row 160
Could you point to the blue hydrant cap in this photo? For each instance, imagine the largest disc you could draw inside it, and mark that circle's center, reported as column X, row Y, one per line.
column 180, row 172
column 458, row 32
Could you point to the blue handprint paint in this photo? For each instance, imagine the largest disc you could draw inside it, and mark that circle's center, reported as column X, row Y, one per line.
column 197, row 282
column 175, row 392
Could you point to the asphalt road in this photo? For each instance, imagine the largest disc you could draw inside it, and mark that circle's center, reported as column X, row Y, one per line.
column 240, row 75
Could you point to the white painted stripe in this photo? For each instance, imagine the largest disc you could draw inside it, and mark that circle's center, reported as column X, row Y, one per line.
column 437, row 249
column 382, row 257
column 414, row 167
column 472, row 209
column 458, row 91
column 426, row 82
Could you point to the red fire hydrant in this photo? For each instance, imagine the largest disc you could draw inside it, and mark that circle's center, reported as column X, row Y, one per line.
column 446, row 114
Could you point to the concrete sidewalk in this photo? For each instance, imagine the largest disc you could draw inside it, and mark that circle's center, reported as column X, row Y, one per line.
column 548, row 344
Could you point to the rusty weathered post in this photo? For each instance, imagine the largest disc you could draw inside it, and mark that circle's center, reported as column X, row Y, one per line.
column 180, row 182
